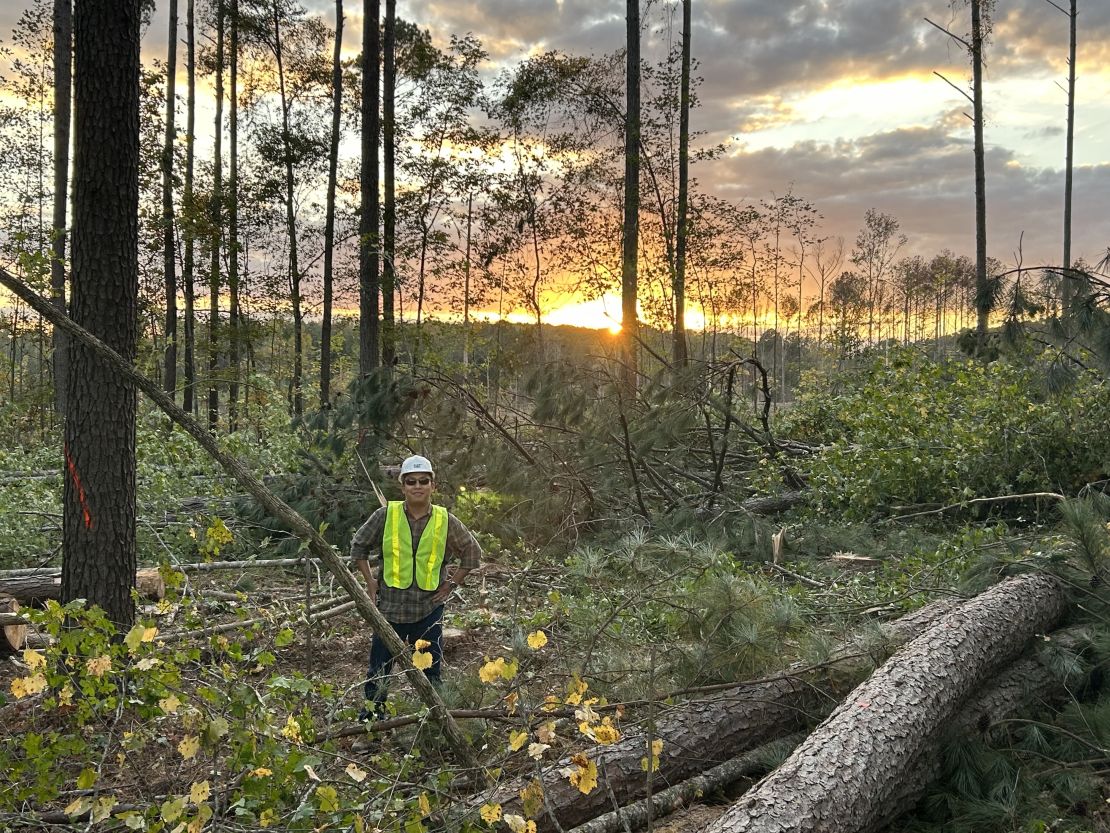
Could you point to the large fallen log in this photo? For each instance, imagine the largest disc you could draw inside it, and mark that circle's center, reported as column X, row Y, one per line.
column 13, row 631
column 849, row 772
column 36, row 588
column 696, row 736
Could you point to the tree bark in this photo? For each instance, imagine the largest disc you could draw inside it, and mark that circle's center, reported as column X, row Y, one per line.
column 982, row 299
column 63, row 88
column 216, row 218
column 389, row 215
column 99, row 453
column 169, row 257
column 631, row 225
column 696, row 736
column 233, row 329
column 368, row 285
column 1070, row 143
column 846, row 773
column 188, row 266
column 329, row 221
column 680, row 347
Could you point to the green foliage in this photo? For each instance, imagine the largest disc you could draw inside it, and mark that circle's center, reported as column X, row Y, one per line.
column 909, row 431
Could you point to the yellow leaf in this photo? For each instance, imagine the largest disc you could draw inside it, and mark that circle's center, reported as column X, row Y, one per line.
column 550, row 703
column 509, row 671
column 102, row 809
column 536, row 640
column 531, row 798
column 491, row 670
column 490, row 813
column 78, row 807
column 26, row 686
column 517, row 740
column 169, row 704
column 357, row 775
column 188, row 747
column 575, row 689
column 65, row 696
column 421, row 644
column 146, row 663
column 510, row 702
column 149, row 634
column 656, row 748
column 199, row 792
column 34, row 659
column 262, row 772
column 584, row 777
column 267, row 818
column 425, row 805
column 328, row 798
column 606, row 733
column 516, row 823
column 98, row 666
column 421, row 660
column 291, row 730
column 172, row 809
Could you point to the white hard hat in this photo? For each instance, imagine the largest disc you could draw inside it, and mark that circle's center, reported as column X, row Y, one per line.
column 415, row 464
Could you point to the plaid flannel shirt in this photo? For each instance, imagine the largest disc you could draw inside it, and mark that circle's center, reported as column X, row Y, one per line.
column 412, row 604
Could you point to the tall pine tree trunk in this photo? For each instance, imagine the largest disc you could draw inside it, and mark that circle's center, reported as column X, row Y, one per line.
column 369, row 243
column 389, row 219
column 63, row 88
column 982, row 295
column 216, row 217
column 296, row 383
column 169, row 259
column 631, row 225
column 329, row 222
column 188, row 267
column 1071, row 136
column 99, row 495
column 680, row 347
column 233, row 328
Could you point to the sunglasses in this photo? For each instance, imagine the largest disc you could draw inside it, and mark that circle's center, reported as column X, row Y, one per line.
column 417, row 481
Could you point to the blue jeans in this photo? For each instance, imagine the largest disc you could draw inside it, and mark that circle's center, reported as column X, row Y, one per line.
column 381, row 660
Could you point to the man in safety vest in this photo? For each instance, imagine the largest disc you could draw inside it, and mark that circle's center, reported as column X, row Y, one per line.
column 413, row 555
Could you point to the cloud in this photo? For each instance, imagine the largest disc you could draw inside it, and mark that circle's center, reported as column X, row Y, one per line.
column 924, row 177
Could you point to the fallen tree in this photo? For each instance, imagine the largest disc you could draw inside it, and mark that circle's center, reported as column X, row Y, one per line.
column 37, row 587
column 851, row 773
column 696, row 736
column 13, row 628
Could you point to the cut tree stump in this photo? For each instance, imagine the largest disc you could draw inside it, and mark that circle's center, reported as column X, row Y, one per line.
column 853, row 768
column 35, row 589
column 697, row 736
column 14, row 635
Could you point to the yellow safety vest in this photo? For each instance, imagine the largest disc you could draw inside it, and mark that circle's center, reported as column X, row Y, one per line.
column 399, row 561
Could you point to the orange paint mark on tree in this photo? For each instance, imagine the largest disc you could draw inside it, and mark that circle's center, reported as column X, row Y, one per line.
column 86, row 514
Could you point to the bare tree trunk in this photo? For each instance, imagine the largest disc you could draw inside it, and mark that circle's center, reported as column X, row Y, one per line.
column 843, row 777
column 98, row 527
column 631, row 225
column 188, row 398
column 1071, row 136
column 681, row 353
column 63, row 88
column 329, row 221
column 169, row 259
column 389, row 219
column 369, row 242
column 233, row 317
column 216, row 216
column 291, row 229
column 982, row 300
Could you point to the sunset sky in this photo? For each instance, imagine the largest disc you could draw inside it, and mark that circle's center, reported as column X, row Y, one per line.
column 837, row 99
